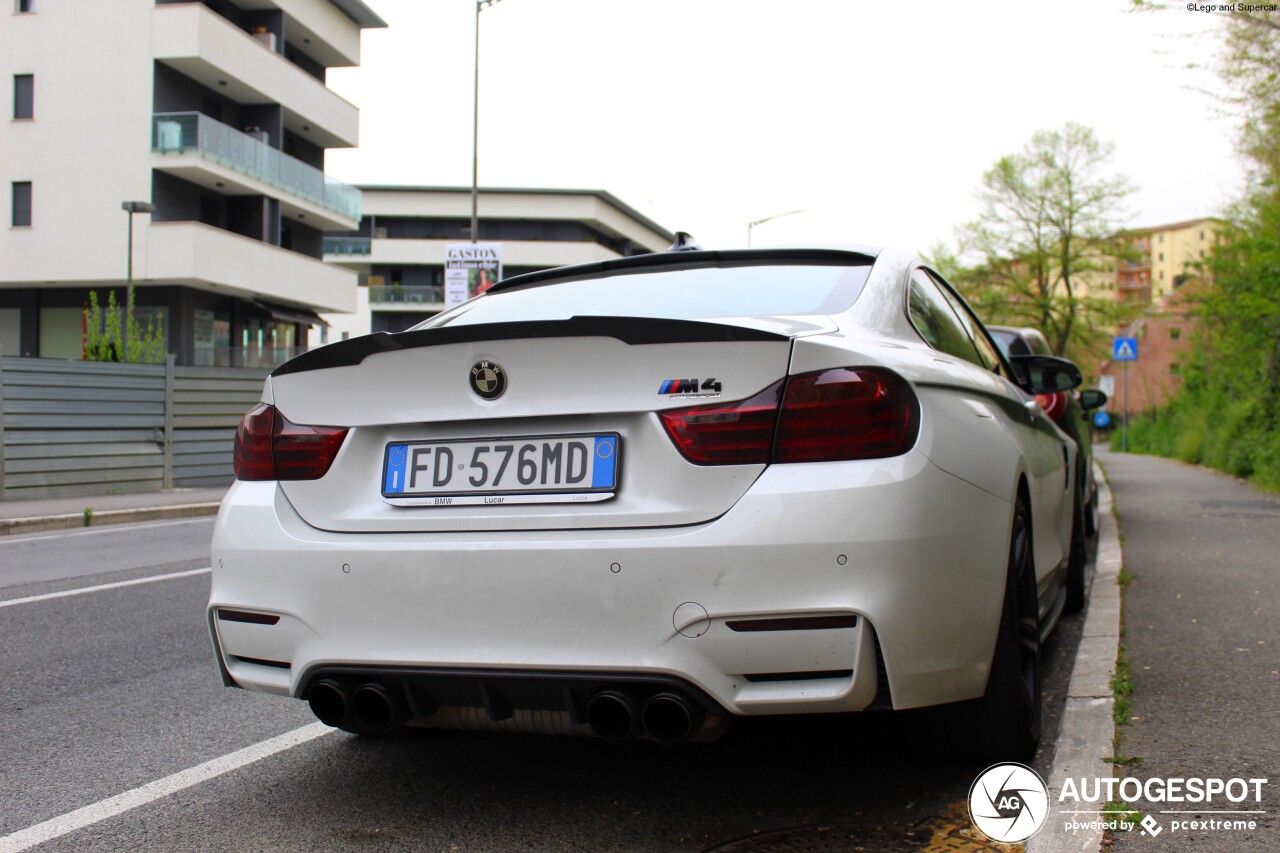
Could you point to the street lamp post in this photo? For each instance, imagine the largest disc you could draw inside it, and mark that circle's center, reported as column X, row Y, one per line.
column 475, row 127
column 751, row 225
column 130, row 207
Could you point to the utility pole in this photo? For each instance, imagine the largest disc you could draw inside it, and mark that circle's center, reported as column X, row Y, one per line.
column 130, row 207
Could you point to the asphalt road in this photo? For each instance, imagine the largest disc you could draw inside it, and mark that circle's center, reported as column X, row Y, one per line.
column 1202, row 636
column 107, row 690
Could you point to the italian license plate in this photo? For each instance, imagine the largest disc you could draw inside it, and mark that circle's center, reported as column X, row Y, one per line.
column 532, row 469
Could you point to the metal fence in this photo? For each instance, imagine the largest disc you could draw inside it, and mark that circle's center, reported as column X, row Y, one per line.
column 71, row 428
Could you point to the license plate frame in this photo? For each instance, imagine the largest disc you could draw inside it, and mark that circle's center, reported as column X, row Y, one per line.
column 501, row 475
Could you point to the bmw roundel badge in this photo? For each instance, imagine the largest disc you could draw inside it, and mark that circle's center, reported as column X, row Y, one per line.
column 488, row 379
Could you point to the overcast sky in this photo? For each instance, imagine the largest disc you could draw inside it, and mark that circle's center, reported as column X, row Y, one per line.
column 877, row 118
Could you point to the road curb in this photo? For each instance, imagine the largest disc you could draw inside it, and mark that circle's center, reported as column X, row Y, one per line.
column 39, row 523
column 1088, row 731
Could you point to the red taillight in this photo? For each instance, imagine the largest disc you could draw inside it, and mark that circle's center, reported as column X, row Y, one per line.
column 845, row 413
column 731, row 434
column 270, row 447
column 855, row 413
column 1053, row 404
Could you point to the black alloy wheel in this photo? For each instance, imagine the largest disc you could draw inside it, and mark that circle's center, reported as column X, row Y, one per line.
column 1078, row 558
column 1004, row 725
column 1013, row 689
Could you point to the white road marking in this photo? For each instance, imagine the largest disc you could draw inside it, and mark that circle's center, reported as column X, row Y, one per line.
column 67, row 593
column 152, row 791
column 18, row 538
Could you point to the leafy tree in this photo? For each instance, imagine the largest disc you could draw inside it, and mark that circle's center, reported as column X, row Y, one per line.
column 1249, row 63
column 1227, row 413
column 1046, row 227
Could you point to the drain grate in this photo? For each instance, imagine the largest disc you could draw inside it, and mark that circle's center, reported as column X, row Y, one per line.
column 948, row 832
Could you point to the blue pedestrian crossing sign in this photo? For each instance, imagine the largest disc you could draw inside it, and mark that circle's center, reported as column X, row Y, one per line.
column 1124, row 349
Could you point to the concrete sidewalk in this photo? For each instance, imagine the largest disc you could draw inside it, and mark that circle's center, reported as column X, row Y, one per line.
column 31, row 516
column 1202, row 638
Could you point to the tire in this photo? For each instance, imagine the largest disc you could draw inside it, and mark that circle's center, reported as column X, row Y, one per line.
column 1079, row 556
column 1091, row 513
column 1004, row 725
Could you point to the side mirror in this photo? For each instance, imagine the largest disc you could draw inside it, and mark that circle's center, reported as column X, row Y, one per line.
column 1045, row 374
column 1092, row 399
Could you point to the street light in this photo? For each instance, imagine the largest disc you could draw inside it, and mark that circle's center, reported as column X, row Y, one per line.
column 751, row 225
column 130, row 207
column 475, row 127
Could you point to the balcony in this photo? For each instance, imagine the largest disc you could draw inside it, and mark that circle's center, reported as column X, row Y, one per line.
column 348, row 246
column 210, row 258
column 211, row 50
column 398, row 297
column 180, row 133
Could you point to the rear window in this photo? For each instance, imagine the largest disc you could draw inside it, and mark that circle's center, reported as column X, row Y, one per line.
column 695, row 293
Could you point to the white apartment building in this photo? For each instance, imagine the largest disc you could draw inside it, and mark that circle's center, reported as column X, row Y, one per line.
column 213, row 114
column 399, row 248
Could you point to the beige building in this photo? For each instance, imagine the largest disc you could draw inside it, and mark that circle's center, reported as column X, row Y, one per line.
column 1164, row 258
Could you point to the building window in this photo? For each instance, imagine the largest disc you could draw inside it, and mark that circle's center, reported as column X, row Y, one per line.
column 24, row 96
column 1162, row 256
column 1175, row 333
column 1202, row 253
column 21, row 204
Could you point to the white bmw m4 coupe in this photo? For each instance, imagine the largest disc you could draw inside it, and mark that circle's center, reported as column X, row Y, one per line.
column 642, row 497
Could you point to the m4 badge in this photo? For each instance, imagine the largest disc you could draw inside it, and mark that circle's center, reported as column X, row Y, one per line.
column 689, row 386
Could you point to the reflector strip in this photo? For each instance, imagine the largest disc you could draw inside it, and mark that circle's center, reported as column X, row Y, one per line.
column 797, row 623
column 245, row 616
column 278, row 664
column 757, row 677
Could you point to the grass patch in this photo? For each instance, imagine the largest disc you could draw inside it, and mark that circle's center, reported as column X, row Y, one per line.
column 1125, row 577
column 1122, row 689
column 1121, row 811
column 1123, row 760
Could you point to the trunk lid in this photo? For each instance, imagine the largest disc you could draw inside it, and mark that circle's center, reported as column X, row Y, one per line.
column 586, row 378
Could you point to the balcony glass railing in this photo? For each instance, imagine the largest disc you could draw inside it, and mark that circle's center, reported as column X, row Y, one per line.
column 396, row 294
column 253, row 157
column 347, row 245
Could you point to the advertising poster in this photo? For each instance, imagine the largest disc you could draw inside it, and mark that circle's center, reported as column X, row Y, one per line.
column 469, row 270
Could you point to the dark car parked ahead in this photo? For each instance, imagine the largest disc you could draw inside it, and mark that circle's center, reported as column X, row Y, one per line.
column 1070, row 414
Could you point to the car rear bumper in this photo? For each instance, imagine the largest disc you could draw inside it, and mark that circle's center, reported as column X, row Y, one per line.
column 776, row 607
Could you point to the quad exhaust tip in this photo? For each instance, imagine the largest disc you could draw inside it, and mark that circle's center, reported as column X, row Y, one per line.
column 329, row 702
column 376, row 708
column 668, row 718
column 613, row 715
column 671, row 719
